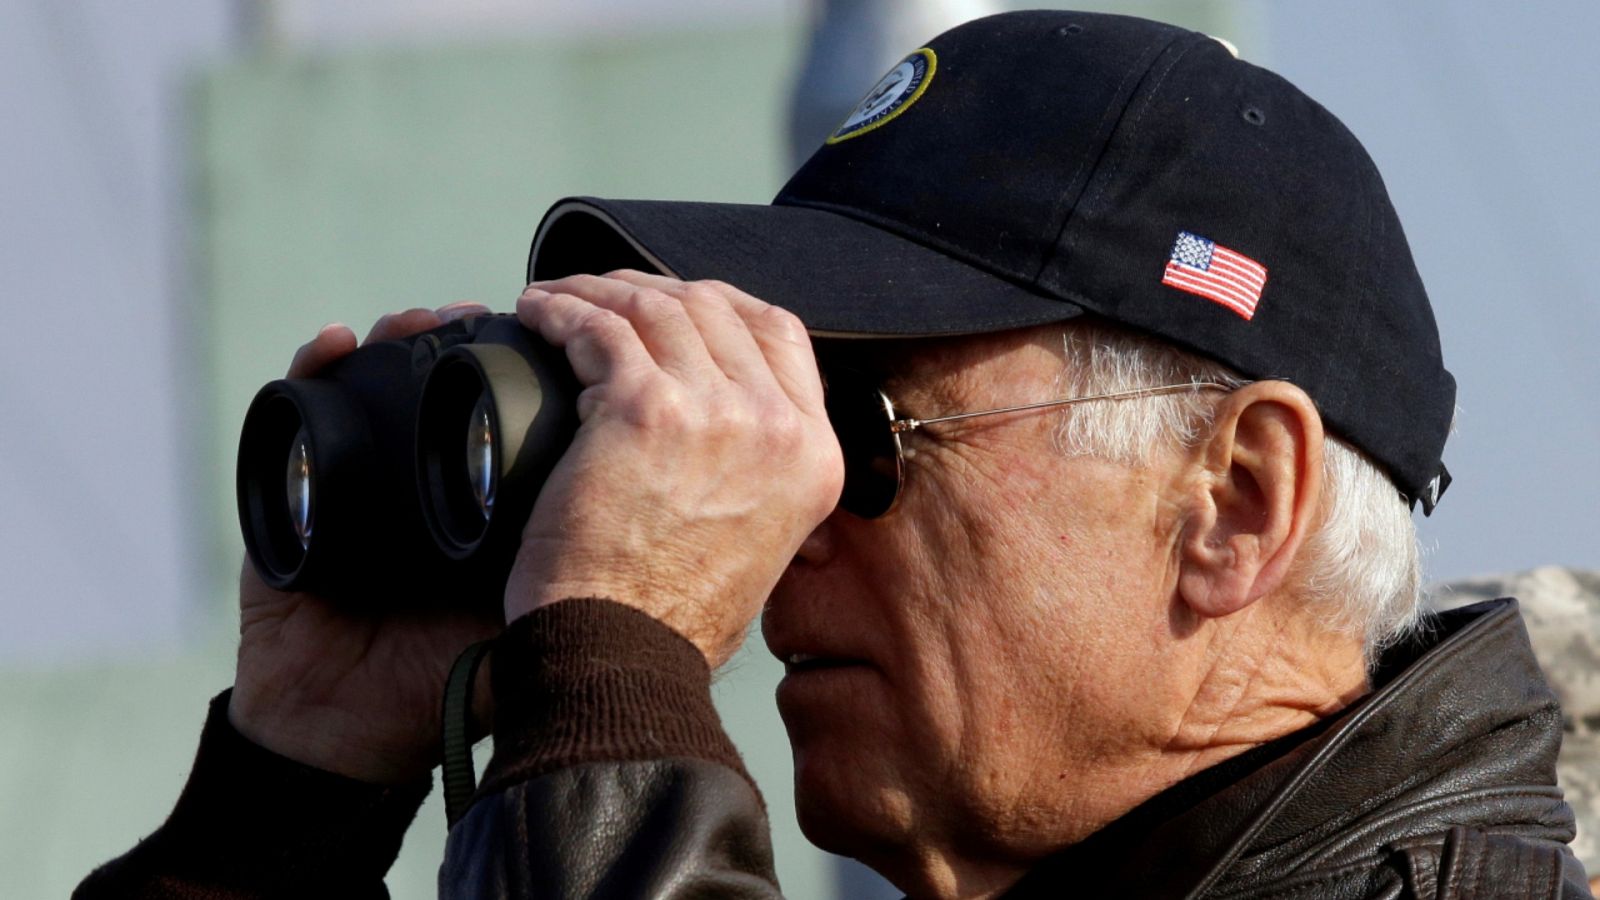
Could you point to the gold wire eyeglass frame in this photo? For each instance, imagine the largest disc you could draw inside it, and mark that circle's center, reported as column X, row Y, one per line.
column 904, row 425
column 901, row 426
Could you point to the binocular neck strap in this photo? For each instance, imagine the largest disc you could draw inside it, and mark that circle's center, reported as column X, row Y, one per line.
column 459, row 778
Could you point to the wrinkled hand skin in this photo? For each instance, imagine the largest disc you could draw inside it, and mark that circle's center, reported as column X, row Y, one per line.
column 355, row 694
column 703, row 458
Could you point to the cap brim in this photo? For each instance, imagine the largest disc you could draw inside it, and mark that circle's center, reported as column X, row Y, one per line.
column 841, row 276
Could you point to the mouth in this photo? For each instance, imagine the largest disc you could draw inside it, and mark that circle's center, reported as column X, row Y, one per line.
column 796, row 663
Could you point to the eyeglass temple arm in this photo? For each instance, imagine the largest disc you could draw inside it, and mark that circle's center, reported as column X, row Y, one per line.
column 901, row 426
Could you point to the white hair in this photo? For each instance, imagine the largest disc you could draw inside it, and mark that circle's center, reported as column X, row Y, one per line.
column 1363, row 564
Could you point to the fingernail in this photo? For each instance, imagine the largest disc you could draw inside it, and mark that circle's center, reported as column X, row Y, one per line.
column 330, row 327
column 533, row 293
column 460, row 310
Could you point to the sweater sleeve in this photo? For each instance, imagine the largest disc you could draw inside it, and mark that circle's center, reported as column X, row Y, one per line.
column 611, row 775
column 592, row 680
column 253, row 824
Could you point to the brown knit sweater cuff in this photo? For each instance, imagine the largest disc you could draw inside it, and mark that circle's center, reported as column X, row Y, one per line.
column 591, row 680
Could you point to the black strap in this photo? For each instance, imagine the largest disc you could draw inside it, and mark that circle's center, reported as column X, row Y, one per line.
column 459, row 779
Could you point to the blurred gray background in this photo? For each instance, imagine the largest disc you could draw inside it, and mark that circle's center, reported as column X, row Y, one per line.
column 189, row 188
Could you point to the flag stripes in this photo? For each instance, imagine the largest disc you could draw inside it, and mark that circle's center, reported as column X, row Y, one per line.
column 1206, row 269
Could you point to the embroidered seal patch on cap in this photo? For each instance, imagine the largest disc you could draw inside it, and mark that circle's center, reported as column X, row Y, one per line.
column 891, row 96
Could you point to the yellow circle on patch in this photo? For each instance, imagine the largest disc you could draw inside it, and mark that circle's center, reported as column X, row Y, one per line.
column 891, row 96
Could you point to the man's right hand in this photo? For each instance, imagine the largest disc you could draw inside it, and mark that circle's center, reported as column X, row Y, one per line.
column 703, row 459
column 355, row 693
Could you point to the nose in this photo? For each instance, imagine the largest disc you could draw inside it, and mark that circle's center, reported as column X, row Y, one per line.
column 818, row 546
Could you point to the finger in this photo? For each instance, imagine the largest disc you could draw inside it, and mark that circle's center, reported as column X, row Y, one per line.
column 663, row 283
column 402, row 324
column 333, row 341
column 780, row 334
column 725, row 332
column 663, row 325
column 462, row 309
column 601, row 345
column 788, row 349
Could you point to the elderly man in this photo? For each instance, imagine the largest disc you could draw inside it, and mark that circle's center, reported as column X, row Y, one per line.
column 1080, row 518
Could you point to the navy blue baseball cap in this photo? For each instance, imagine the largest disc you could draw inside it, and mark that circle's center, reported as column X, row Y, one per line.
column 1034, row 167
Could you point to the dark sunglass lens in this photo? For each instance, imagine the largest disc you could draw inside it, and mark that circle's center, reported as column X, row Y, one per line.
column 860, row 418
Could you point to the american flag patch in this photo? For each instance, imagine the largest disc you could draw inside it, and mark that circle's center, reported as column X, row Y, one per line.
column 1210, row 270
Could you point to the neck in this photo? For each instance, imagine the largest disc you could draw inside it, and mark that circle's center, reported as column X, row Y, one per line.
column 1263, row 673
column 1234, row 684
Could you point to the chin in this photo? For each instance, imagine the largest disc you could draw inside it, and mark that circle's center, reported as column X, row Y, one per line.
column 857, row 829
column 852, row 808
column 844, row 831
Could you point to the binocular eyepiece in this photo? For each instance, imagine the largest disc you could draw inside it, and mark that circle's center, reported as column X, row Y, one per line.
column 407, row 469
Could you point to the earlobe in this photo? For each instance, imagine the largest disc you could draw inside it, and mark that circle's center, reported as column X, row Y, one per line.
column 1261, row 483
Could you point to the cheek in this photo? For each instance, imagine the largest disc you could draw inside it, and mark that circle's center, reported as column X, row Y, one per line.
column 1050, row 597
column 996, row 625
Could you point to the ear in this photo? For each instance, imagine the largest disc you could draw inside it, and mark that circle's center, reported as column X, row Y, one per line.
column 1259, row 492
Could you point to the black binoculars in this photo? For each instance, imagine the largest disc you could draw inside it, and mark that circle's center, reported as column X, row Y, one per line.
column 473, row 413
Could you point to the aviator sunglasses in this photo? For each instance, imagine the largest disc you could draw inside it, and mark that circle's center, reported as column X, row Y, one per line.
column 869, row 430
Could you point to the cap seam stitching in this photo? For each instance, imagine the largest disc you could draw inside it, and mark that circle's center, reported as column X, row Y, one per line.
column 1062, row 213
column 1133, row 133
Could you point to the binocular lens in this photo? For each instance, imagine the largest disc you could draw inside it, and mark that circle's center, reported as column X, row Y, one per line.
column 276, row 481
column 458, row 479
column 482, row 470
column 298, row 481
column 512, row 398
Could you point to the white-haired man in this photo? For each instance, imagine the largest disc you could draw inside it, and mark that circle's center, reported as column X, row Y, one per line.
column 1080, row 519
